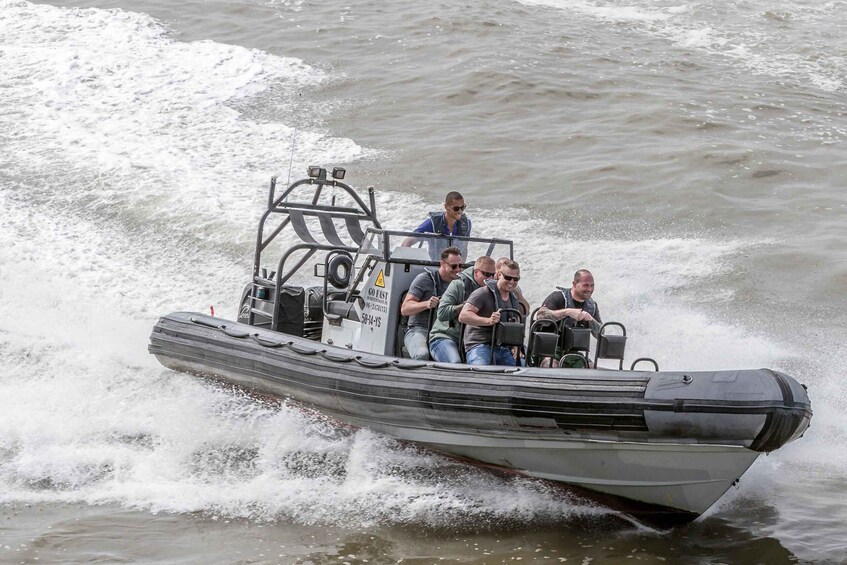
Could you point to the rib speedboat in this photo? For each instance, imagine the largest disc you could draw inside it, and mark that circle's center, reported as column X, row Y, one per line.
column 320, row 324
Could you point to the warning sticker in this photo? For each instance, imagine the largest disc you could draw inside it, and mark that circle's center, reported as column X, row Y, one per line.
column 380, row 280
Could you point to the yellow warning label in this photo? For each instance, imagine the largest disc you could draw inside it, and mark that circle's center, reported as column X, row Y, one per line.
column 380, row 280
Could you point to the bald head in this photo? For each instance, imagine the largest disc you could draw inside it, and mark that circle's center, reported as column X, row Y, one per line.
column 583, row 285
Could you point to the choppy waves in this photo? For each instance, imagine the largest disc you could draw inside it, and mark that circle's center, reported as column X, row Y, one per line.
column 132, row 178
column 149, row 122
column 789, row 41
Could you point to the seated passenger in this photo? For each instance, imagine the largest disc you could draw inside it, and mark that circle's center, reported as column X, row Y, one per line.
column 482, row 312
column 573, row 305
column 518, row 292
column 423, row 296
column 444, row 336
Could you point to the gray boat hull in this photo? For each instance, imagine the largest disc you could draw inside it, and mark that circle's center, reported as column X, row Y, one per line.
column 672, row 441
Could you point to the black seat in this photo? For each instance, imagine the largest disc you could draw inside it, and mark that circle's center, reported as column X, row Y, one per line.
column 575, row 339
column 342, row 309
column 550, row 338
column 543, row 339
column 610, row 346
column 509, row 332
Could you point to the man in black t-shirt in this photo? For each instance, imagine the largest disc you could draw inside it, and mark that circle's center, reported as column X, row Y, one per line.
column 573, row 305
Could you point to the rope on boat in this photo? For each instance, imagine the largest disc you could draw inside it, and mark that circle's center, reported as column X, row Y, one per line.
column 206, row 323
column 452, row 367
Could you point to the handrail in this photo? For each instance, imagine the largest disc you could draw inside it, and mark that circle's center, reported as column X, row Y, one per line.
column 339, row 225
column 384, row 250
column 294, row 213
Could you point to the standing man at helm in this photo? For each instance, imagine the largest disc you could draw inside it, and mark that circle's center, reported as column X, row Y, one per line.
column 452, row 221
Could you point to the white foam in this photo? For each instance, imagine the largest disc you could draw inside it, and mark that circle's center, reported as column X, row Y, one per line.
column 157, row 440
column 151, row 120
column 610, row 11
column 159, row 154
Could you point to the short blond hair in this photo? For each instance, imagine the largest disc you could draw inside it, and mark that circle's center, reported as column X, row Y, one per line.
column 511, row 264
column 483, row 261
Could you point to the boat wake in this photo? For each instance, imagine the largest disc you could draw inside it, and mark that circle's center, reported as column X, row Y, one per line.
column 87, row 416
column 153, row 441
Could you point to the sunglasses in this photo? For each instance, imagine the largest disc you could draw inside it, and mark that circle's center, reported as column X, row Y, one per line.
column 485, row 274
column 512, row 279
column 459, row 208
column 454, row 266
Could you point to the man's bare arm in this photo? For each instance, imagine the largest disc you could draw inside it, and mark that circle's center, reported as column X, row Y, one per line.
column 469, row 316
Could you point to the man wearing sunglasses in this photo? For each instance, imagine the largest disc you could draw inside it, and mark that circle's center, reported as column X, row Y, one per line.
column 482, row 312
column 445, row 334
column 423, row 296
column 451, row 222
column 518, row 292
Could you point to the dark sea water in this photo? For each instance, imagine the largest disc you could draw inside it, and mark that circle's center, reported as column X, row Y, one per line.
column 691, row 154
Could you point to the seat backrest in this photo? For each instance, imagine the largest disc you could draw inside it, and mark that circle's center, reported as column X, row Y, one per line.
column 509, row 332
column 543, row 339
column 575, row 339
column 342, row 308
column 611, row 346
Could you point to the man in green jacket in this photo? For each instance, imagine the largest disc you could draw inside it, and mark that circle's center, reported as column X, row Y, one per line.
column 445, row 333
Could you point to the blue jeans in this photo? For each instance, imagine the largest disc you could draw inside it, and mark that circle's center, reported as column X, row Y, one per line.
column 416, row 342
column 445, row 350
column 481, row 355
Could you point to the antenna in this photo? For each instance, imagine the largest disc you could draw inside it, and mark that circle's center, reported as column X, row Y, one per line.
column 291, row 160
column 293, row 142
